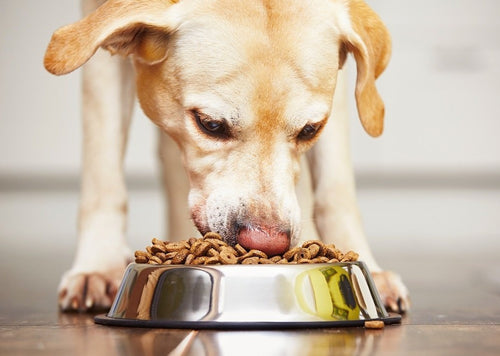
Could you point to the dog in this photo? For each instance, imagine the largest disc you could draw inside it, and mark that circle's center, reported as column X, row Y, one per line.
column 243, row 89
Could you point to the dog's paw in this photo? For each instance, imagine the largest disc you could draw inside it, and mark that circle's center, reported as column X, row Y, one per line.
column 393, row 292
column 88, row 291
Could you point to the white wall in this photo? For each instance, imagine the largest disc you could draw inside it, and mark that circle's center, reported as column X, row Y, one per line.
column 40, row 113
column 441, row 91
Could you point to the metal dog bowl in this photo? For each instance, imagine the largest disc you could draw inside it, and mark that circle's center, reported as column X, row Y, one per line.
column 247, row 296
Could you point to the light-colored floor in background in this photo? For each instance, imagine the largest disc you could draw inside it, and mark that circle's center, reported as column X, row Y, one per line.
column 438, row 218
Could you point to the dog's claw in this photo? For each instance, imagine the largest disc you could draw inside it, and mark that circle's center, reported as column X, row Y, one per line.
column 83, row 292
column 393, row 292
column 74, row 304
column 89, row 303
column 402, row 306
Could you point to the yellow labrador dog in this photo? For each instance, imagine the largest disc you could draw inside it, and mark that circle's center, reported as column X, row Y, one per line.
column 244, row 88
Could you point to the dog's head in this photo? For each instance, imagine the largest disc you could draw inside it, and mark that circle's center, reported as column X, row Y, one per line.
column 244, row 88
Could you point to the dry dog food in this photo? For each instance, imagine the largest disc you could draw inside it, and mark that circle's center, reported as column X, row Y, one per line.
column 212, row 250
column 374, row 324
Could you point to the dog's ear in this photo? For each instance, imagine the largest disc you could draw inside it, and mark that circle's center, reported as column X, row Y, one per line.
column 369, row 41
column 138, row 27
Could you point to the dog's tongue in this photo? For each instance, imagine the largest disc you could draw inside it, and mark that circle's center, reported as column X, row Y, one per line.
column 270, row 241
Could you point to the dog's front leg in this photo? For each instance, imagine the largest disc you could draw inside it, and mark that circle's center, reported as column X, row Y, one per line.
column 102, row 252
column 336, row 210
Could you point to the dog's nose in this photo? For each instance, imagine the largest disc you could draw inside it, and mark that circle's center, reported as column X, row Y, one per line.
column 269, row 240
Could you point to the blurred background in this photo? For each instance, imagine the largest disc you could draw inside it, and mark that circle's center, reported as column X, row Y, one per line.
column 430, row 183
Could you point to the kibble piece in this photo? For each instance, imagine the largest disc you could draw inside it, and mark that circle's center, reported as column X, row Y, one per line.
column 175, row 246
column 162, row 256
column 158, row 248
column 304, row 260
column 374, row 324
column 275, row 259
column 156, row 241
column 155, row 260
column 200, row 260
column 257, row 253
column 250, row 261
column 189, row 259
column 302, row 254
column 212, row 260
column 314, row 249
column 338, row 254
column 350, row 256
column 201, row 248
column 311, row 245
column 265, row 261
column 212, row 244
column 170, row 255
column 180, row 257
column 240, row 249
column 249, row 254
column 212, row 252
column 194, row 246
column 141, row 259
column 230, row 249
column 140, row 254
column 227, row 256
column 330, row 251
column 212, row 235
column 289, row 255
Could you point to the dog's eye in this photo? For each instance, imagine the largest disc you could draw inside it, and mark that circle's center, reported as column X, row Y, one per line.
column 308, row 132
column 210, row 126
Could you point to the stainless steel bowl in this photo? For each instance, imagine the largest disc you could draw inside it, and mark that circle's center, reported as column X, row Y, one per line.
column 247, row 296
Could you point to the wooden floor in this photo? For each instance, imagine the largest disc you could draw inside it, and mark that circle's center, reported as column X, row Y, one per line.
column 455, row 296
